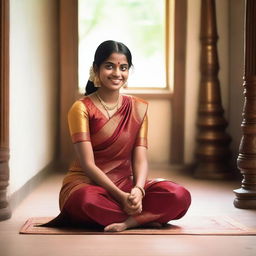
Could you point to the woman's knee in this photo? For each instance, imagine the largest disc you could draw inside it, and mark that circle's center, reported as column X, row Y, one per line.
column 176, row 194
column 91, row 197
column 184, row 197
column 178, row 200
column 83, row 198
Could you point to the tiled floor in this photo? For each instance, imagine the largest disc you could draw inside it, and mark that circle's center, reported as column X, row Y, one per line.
column 209, row 198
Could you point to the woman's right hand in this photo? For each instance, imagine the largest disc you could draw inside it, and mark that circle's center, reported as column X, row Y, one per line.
column 128, row 206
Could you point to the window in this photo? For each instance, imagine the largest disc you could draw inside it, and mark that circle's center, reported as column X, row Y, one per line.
column 140, row 24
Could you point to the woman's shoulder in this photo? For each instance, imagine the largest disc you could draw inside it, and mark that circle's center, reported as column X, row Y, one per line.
column 83, row 101
column 80, row 104
column 136, row 99
column 140, row 106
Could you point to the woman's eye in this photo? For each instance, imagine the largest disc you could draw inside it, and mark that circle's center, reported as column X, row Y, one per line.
column 123, row 68
column 109, row 66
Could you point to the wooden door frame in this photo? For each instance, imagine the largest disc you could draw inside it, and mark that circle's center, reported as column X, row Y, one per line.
column 5, row 212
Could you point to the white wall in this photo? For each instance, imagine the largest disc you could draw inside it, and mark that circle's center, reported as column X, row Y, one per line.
column 33, row 88
column 193, row 71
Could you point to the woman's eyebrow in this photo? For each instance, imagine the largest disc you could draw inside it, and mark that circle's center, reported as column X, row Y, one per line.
column 109, row 62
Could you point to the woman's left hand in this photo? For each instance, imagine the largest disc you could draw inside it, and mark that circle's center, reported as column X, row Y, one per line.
column 135, row 198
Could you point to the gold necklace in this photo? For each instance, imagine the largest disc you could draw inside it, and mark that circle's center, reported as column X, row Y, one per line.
column 105, row 106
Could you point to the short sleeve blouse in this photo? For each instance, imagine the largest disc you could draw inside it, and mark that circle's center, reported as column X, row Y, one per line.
column 78, row 121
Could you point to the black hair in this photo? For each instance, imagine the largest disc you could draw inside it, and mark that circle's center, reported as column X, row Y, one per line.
column 103, row 51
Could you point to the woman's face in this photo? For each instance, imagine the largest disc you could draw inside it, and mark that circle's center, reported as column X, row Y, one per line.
column 114, row 71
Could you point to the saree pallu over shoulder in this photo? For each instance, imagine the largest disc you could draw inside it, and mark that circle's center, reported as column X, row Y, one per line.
column 129, row 118
column 113, row 140
column 140, row 108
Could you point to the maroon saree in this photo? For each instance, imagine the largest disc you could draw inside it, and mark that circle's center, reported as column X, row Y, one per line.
column 113, row 140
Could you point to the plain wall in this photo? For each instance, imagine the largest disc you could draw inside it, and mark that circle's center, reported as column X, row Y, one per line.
column 33, row 88
column 159, row 131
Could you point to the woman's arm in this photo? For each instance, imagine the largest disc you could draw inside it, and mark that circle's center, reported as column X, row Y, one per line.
column 86, row 157
column 140, row 166
column 140, row 173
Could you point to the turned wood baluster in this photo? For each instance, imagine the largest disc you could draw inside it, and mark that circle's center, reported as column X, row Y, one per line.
column 212, row 150
column 246, row 161
column 4, row 109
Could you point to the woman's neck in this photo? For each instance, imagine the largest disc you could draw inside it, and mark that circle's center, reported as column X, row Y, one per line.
column 109, row 97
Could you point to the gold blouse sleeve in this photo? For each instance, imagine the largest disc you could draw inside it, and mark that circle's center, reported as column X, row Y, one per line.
column 142, row 138
column 78, row 121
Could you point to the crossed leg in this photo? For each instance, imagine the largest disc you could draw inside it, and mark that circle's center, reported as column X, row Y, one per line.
column 164, row 201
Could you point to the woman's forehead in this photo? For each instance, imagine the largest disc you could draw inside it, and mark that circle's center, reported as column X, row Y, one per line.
column 117, row 58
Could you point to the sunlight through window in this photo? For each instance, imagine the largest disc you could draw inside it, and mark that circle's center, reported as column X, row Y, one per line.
column 140, row 24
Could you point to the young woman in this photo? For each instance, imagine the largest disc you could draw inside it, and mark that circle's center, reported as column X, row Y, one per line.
column 107, row 185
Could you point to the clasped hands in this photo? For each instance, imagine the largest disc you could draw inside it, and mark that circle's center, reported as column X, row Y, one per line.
column 132, row 202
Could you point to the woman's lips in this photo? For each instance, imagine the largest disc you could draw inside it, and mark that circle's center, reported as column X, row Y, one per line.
column 116, row 81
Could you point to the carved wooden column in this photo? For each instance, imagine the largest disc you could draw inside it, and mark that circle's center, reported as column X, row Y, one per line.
column 246, row 162
column 4, row 109
column 212, row 150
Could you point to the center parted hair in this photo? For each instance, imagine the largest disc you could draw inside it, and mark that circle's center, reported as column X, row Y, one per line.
column 104, row 50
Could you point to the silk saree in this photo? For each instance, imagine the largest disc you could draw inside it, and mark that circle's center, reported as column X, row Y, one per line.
column 113, row 141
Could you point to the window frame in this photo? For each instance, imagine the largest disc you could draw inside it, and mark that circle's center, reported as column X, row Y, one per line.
column 69, row 77
column 168, row 59
column 166, row 92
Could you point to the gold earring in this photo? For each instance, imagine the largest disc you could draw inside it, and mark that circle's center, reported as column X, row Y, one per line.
column 91, row 74
column 96, row 81
column 125, row 85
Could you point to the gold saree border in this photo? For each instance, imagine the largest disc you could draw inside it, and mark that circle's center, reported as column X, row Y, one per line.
column 80, row 136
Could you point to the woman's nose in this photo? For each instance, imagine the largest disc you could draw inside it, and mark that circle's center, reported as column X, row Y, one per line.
column 116, row 72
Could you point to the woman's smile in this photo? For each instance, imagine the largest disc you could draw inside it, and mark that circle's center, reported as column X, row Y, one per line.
column 116, row 81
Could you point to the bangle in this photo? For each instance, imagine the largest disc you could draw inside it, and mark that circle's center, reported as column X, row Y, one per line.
column 142, row 190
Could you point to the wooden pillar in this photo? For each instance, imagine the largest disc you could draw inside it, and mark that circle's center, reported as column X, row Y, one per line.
column 5, row 212
column 212, row 150
column 246, row 162
column 178, row 100
column 68, row 72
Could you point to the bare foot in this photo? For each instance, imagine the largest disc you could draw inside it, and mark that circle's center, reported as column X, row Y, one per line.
column 115, row 227
column 118, row 227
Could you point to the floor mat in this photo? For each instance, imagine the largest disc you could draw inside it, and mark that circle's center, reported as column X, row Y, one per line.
column 188, row 225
